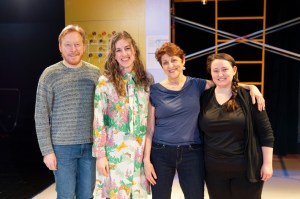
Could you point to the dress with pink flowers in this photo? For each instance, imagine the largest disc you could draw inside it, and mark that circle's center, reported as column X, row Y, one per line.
column 119, row 134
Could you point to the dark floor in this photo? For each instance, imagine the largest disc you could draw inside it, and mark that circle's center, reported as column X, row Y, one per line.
column 22, row 171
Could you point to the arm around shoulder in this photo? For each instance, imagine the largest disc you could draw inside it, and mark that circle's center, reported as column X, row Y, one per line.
column 209, row 84
column 256, row 96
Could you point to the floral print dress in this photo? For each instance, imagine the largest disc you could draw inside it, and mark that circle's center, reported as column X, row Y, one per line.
column 119, row 134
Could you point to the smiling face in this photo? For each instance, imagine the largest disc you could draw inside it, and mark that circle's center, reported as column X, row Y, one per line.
column 72, row 48
column 222, row 73
column 172, row 66
column 124, row 55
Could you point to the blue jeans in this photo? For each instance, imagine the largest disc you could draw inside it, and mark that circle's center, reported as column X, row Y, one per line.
column 76, row 171
column 187, row 160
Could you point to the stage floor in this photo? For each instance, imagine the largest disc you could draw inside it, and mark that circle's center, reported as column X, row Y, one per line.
column 285, row 183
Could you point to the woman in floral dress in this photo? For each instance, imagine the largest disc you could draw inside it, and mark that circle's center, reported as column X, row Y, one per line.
column 120, row 120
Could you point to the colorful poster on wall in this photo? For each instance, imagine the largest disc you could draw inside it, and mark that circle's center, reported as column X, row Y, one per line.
column 98, row 35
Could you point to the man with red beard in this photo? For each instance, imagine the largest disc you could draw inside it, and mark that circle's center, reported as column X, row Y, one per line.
column 64, row 114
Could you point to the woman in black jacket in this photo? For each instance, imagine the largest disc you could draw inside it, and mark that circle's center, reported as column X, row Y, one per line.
column 238, row 139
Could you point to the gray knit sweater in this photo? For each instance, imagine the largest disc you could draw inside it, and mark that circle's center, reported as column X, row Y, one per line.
column 64, row 105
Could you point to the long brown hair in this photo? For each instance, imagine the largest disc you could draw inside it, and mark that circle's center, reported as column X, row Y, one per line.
column 231, row 104
column 113, row 71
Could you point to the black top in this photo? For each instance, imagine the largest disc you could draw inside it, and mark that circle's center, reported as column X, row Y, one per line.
column 223, row 131
column 257, row 133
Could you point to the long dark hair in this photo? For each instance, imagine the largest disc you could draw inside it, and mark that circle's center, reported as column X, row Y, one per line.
column 231, row 104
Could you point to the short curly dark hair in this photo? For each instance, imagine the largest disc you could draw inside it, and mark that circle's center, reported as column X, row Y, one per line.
column 170, row 49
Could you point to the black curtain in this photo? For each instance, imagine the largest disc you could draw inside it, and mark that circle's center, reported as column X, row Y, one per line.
column 281, row 73
column 282, row 77
column 29, row 43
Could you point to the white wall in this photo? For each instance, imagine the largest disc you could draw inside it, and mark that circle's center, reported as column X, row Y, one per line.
column 157, row 31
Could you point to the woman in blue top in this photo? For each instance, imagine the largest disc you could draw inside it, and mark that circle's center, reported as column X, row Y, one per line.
column 173, row 141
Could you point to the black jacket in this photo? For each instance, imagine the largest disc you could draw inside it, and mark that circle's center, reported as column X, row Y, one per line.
column 258, row 131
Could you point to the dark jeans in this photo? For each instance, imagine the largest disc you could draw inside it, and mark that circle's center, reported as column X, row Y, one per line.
column 187, row 160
